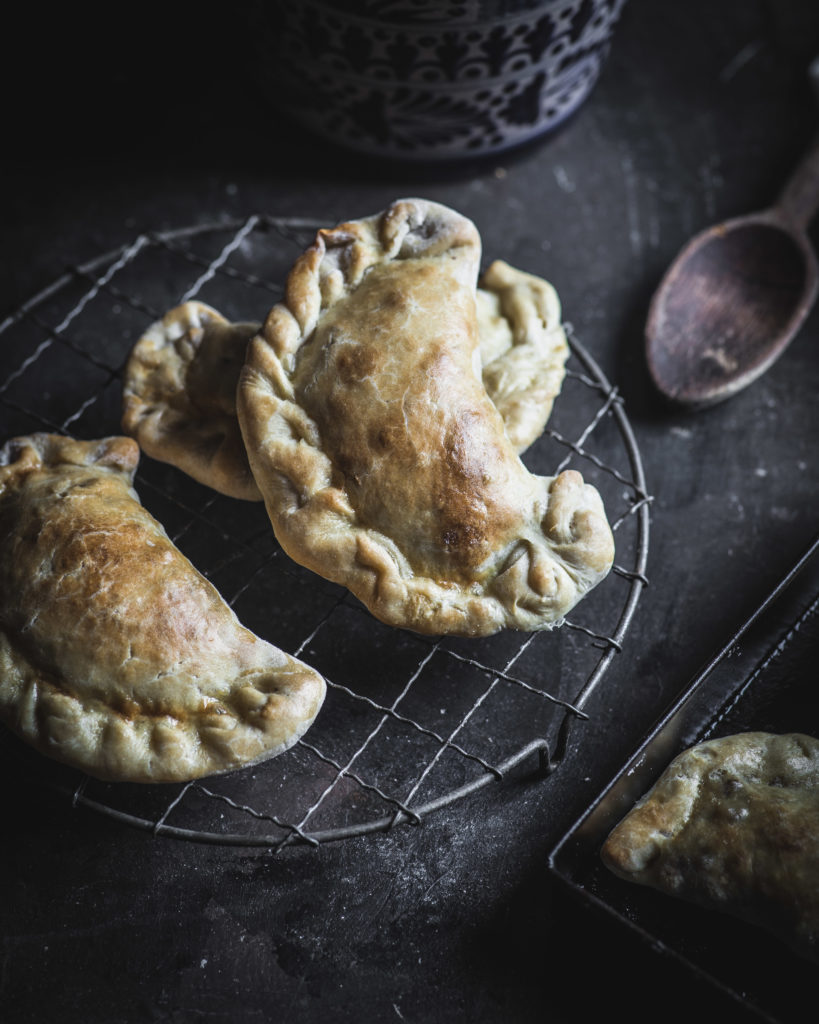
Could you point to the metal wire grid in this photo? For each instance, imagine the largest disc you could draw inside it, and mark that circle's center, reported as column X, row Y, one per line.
column 410, row 723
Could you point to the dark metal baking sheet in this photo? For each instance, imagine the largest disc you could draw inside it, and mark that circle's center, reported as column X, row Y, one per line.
column 764, row 678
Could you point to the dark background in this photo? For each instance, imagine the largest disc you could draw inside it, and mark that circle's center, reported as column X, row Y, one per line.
column 148, row 121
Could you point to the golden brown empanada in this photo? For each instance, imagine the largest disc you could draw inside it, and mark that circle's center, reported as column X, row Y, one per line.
column 179, row 396
column 179, row 393
column 383, row 464
column 733, row 825
column 116, row 655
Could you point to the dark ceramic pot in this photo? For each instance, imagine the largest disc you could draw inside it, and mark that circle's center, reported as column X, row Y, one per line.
column 425, row 80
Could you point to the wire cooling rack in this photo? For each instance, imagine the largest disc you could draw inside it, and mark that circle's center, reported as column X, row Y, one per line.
column 410, row 723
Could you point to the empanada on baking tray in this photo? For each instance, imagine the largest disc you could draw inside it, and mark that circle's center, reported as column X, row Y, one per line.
column 179, row 388
column 116, row 656
column 383, row 463
column 733, row 825
column 179, row 396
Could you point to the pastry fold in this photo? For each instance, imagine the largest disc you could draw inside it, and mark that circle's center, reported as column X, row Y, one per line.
column 523, row 349
column 116, row 656
column 383, row 462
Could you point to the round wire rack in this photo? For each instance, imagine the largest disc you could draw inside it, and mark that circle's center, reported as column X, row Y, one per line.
column 410, row 723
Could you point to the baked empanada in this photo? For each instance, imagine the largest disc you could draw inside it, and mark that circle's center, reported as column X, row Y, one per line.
column 523, row 348
column 383, row 463
column 733, row 825
column 116, row 655
column 179, row 396
column 179, row 391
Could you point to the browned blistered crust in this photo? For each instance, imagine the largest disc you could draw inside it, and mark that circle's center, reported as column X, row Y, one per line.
column 116, row 655
column 179, row 396
column 383, row 463
column 733, row 824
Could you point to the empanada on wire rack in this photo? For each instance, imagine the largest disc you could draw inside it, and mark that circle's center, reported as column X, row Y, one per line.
column 116, row 655
column 523, row 348
column 383, row 463
column 179, row 396
column 179, row 388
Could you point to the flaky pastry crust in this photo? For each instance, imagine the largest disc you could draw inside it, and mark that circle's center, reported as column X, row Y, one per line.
column 179, row 396
column 733, row 825
column 116, row 655
column 383, row 463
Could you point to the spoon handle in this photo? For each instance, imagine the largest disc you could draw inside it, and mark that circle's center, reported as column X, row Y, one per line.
column 799, row 199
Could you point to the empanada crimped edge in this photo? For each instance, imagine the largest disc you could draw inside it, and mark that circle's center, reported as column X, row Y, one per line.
column 117, row 656
column 532, row 578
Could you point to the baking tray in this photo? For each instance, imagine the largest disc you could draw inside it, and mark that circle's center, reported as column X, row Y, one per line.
column 764, row 678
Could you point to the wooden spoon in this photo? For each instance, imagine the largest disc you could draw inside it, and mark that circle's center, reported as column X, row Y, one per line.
column 734, row 297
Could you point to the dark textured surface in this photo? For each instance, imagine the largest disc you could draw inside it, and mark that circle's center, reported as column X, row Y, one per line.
column 699, row 115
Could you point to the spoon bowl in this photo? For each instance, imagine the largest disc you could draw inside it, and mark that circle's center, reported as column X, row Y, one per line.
column 734, row 297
